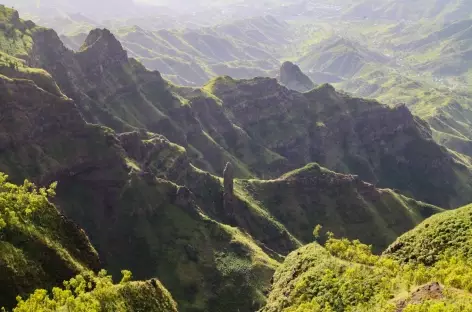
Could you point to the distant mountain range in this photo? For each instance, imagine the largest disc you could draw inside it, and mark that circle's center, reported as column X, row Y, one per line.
column 183, row 167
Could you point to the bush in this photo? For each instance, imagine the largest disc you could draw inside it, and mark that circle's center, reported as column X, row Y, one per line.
column 17, row 203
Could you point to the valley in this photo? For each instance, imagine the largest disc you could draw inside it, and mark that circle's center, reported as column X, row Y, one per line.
column 229, row 156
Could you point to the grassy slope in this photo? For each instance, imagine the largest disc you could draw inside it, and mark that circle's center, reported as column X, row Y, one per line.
column 102, row 185
column 342, row 204
column 147, row 217
column 445, row 233
column 426, row 269
column 425, row 63
column 95, row 189
column 345, row 276
column 141, row 212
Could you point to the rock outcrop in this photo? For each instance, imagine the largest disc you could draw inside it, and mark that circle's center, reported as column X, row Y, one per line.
column 386, row 146
column 293, row 78
column 228, row 189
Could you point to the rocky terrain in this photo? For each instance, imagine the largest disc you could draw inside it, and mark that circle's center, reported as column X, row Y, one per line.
column 293, row 78
column 208, row 190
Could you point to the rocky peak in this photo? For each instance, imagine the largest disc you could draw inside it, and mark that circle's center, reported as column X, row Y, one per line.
column 293, row 78
column 102, row 46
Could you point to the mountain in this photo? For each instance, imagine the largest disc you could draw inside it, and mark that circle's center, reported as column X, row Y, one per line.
column 347, row 276
column 102, row 81
column 243, row 48
column 382, row 145
column 341, row 57
column 138, row 163
column 406, row 10
column 341, row 203
column 40, row 247
column 293, row 78
column 421, row 64
column 425, row 269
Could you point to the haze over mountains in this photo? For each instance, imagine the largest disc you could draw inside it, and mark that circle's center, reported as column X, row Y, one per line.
column 234, row 155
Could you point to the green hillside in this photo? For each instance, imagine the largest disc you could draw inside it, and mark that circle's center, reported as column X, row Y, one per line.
column 426, row 269
column 345, row 276
column 208, row 192
column 139, row 174
column 447, row 233
column 344, row 205
column 90, row 292
column 39, row 247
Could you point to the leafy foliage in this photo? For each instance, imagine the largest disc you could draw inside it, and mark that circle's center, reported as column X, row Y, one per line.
column 94, row 293
column 17, row 203
column 346, row 276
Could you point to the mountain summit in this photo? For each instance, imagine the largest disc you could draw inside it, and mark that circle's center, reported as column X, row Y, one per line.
column 293, row 78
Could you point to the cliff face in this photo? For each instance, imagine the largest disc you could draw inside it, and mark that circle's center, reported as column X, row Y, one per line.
column 259, row 126
column 385, row 146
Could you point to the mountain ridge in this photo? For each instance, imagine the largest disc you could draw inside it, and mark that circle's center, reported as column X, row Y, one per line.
column 139, row 163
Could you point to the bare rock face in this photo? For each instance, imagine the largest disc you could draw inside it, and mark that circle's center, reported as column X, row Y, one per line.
column 293, row 78
column 228, row 195
column 385, row 146
column 432, row 291
column 101, row 48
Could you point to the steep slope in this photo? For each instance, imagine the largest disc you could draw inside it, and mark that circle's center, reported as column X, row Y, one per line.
column 293, row 78
column 385, row 146
column 345, row 276
column 447, row 233
column 341, row 58
column 343, row 204
column 39, row 247
column 100, row 187
column 243, row 48
column 423, row 64
column 215, row 141
column 135, row 192
column 103, row 81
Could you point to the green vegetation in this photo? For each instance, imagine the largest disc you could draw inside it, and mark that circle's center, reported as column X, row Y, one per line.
column 446, row 233
column 426, row 269
column 38, row 247
column 343, row 204
column 138, row 161
column 346, row 276
column 18, row 203
column 95, row 293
